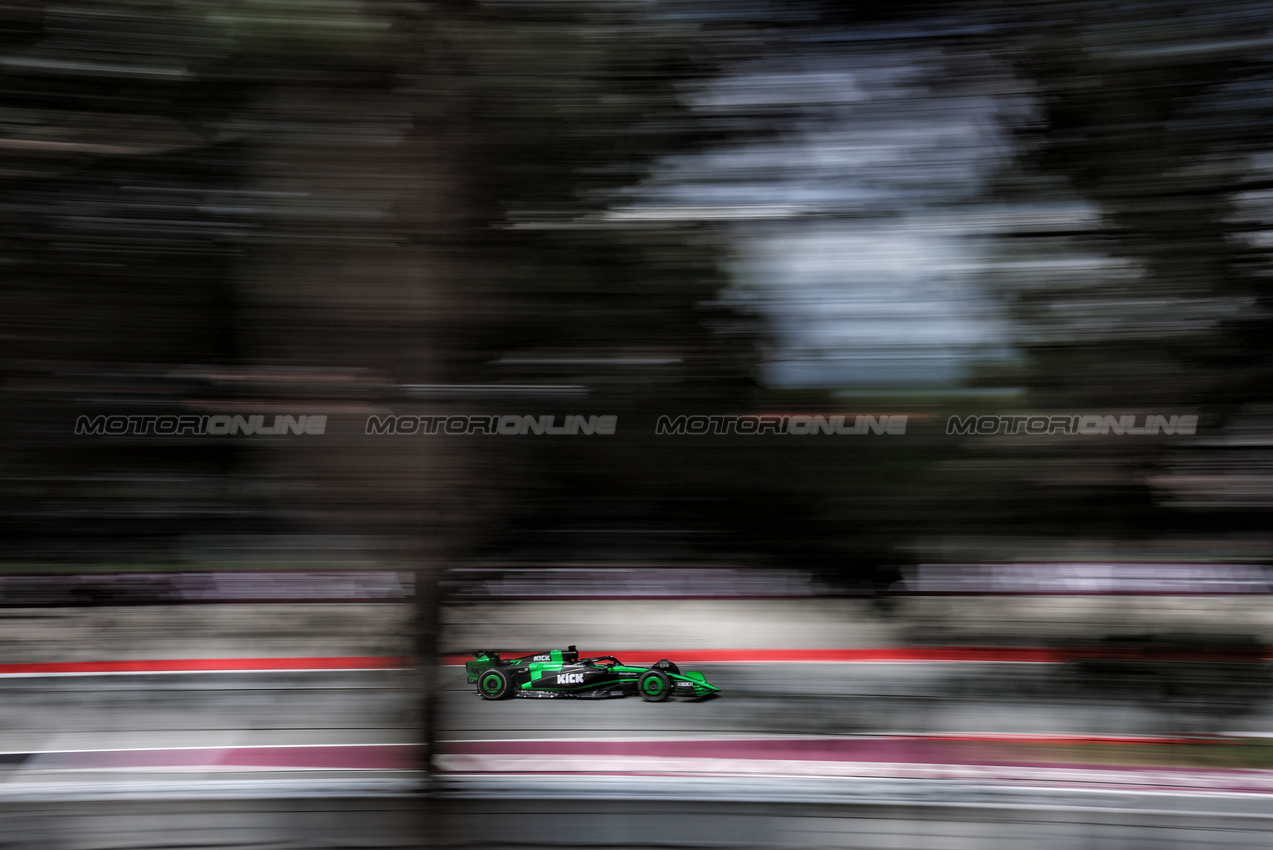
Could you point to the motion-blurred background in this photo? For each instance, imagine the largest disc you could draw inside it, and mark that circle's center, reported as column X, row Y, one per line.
column 957, row 215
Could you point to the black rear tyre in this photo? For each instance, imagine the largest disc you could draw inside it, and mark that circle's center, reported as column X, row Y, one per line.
column 654, row 686
column 494, row 684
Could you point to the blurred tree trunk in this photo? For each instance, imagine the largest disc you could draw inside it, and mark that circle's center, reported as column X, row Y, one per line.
column 390, row 296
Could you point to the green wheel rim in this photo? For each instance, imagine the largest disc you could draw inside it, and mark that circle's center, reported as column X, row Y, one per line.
column 491, row 684
column 653, row 685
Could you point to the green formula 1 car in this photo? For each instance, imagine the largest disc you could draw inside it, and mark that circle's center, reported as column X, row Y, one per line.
column 562, row 673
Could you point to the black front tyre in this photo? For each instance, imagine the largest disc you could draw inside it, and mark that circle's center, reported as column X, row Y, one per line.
column 654, row 686
column 494, row 684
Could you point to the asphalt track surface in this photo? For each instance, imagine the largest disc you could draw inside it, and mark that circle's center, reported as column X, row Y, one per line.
column 378, row 705
column 279, row 757
column 270, row 706
column 863, row 816
column 221, row 720
column 853, row 698
column 316, row 758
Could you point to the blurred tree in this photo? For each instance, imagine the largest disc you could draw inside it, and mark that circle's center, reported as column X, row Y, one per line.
column 1153, row 113
column 1148, row 289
